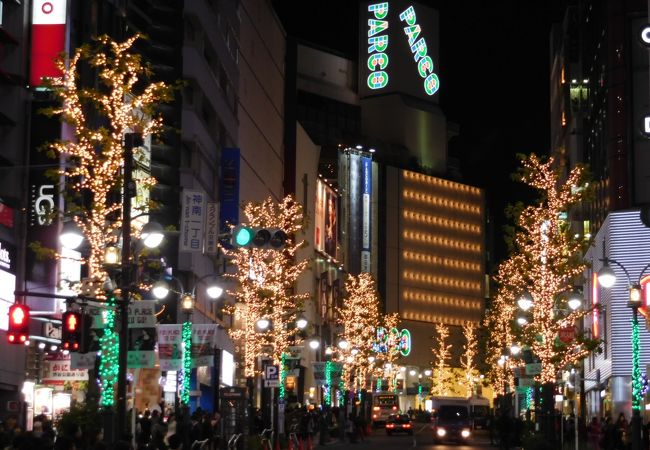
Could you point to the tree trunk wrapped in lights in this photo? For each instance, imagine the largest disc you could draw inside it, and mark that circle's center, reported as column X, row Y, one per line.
column 546, row 261
column 467, row 361
column 441, row 357
column 94, row 158
column 359, row 318
column 266, row 284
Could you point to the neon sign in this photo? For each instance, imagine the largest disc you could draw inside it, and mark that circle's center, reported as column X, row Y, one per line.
column 419, row 50
column 394, row 341
column 378, row 43
column 380, row 57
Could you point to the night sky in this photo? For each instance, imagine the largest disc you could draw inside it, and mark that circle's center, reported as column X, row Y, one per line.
column 494, row 80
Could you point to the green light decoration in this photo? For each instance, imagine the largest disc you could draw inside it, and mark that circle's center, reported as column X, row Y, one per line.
column 328, row 383
column 636, row 370
column 283, row 374
column 378, row 384
column 184, row 377
column 528, row 399
column 108, row 363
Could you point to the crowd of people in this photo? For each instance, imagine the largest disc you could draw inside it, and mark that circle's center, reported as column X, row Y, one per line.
column 153, row 431
column 599, row 434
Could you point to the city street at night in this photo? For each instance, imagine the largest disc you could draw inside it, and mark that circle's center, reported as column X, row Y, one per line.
column 248, row 224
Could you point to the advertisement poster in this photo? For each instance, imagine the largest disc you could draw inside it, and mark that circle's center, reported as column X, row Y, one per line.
column 203, row 341
column 170, row 349
column 326, row 219
column 57, row 370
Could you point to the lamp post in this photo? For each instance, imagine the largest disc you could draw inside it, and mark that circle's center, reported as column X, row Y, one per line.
column 525, row 303
column 607, row 278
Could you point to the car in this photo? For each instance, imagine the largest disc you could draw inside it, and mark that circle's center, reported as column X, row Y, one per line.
column 399, row 423
column 452, row 423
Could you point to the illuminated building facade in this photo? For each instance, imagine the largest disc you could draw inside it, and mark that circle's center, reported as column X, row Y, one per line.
column 434, row 268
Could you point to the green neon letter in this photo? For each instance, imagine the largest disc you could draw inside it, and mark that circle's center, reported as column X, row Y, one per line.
column 380, row 10
column 376, row 26
column 377, row 43
column 377, row 80
column 425, row 66
column 412, row 33
column 408, row 15
column 431, row 84
column 377, row 59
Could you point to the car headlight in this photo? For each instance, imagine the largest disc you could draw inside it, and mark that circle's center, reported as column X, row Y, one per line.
column 441, row 432
column 465, row 433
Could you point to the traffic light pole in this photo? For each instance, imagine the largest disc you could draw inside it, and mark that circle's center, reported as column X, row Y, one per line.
column 131, row 140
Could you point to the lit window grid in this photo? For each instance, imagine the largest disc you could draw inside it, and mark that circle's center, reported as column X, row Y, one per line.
column 443, row 262
column 420, row 316
column 441, row 241
column 443, row 300
column 451, row 186
column 444, row 282
column 442, row 222
column 438, row 201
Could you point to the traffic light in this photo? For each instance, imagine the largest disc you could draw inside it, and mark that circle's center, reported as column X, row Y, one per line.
column 71, row 331
column 258, row 237
column 18, row 331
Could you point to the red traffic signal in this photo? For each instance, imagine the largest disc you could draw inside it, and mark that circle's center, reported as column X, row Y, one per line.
column 18, row 331
column 71, row 331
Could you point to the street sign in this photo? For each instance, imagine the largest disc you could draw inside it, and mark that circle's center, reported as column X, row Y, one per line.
column 533, row 369
column 51, row 331
column 271, row 373
column 526, row 382
column 568, row 334
column 272, row 383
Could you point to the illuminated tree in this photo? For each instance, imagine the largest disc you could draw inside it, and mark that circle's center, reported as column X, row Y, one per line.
column 266, row 281
column 546, row 262
column 359, row 318
column 123, row 102
column 441, row 357
column 469, row 355
column 498, row 322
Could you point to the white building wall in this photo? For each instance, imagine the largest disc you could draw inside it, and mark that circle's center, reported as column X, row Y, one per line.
column 627, row 241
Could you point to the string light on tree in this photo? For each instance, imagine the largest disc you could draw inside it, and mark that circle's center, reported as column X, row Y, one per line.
column 469, row 354
column 441, row 356
column 546, row 260
column 266, row 281
column 358, row 318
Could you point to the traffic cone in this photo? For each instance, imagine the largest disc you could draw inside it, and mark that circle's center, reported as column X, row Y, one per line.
column 290, row 443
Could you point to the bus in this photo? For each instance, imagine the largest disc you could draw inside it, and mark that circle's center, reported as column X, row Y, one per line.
column 383, row 404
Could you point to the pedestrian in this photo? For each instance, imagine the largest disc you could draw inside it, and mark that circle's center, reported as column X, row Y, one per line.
column 594, row 434
column 350, row 429
column 621, row 432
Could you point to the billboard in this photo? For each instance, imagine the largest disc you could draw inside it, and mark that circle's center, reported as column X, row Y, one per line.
column 326, row 229
column 398, row 49
column 48, row 39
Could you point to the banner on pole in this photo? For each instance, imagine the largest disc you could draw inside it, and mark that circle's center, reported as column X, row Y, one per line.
column 204, row 338
column 170, row 351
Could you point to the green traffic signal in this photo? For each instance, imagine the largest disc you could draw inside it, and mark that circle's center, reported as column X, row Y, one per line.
column 243, row 236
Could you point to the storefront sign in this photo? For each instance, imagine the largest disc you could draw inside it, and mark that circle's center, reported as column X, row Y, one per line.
column 211, row 228
column 57, row 370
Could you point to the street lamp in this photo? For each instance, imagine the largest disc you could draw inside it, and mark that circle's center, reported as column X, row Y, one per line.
column 71, row 236
column 607, row 279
